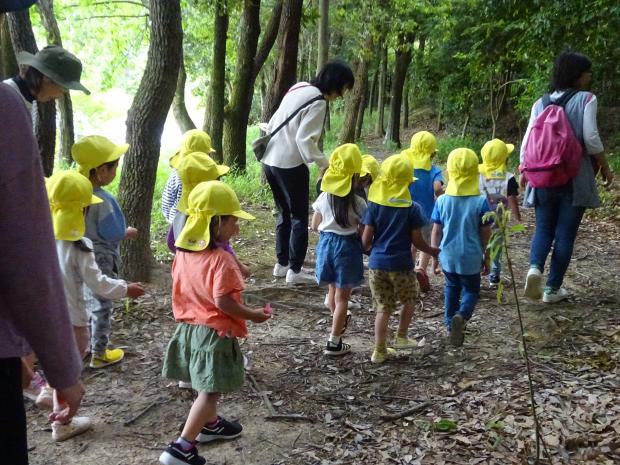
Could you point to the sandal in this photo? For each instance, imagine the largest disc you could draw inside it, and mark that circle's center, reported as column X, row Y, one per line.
column 423, row 280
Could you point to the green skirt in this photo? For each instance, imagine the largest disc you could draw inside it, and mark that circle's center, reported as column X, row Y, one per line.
column 198, row 355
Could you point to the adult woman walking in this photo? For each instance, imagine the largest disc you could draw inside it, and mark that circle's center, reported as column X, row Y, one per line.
column 559, row 210
column 286, row 161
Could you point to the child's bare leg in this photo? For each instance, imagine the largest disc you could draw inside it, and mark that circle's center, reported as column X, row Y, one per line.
column 406, row 315
column 340, row 309
column 381, row 327
column 414, row 252
column 424, row 261
column 331, row 296
column 203, row 411
column 82, row 338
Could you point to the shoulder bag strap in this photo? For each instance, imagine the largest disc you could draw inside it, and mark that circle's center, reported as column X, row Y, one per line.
column 292, row 115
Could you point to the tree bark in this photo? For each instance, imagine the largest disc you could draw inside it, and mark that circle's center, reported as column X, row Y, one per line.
column 360, row 113
column 8, row 62
column 381, row 91
column 372, row 98
column 323, row 35
column 179, row 110
column 145, row 123
column 22, row 38
column 286, row 67
column 65, row 105
column 355, row 98
column 406, row 103
column 402, row 60
column 218, row 78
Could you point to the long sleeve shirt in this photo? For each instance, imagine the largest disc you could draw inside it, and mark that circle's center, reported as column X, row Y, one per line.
column 171, row 196
column 33, row 309
column 297, row 142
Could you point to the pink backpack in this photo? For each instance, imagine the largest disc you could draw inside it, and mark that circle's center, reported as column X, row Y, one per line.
column 552, row 154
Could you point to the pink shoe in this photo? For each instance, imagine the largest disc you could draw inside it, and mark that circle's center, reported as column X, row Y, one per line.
column 34, row 388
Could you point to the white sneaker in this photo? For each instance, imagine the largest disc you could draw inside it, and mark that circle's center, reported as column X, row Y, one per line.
column 299, row 278
column 551, row 296
column 45, row 399
column 279, row 271
column 533, row 288
column 185, row 385
column 77, row 425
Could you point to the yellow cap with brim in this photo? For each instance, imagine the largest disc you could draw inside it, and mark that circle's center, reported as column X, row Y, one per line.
column 197, row 167
column 344, row 163
column 93, row 151
column 370, row 166
column 462, row 169
column 208, row 199
column 423, row 145
column 494, row 155
column 391, row 188
column 69, row 193
column 194, row 140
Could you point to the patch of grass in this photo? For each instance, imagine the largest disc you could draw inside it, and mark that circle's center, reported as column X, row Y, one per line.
column 445, row 145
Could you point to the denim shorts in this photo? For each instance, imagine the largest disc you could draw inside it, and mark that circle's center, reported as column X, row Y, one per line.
column 339, row 260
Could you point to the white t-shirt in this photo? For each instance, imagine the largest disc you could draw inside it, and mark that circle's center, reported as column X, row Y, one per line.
column 328, row 223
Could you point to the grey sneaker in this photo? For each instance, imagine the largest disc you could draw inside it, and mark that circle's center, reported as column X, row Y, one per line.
column 299, row 278
column 533, row 287
column 279, row 271
column 551, row 295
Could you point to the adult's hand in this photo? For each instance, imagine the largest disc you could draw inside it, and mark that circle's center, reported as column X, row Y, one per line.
column 69, row 400
column 608, row 175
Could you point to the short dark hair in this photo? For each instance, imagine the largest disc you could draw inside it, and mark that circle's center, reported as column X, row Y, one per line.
column 567, row 69
column 107, row 164
column 335, row 76
column 33, row 79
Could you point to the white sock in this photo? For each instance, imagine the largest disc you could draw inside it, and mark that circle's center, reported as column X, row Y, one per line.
column 334, row 339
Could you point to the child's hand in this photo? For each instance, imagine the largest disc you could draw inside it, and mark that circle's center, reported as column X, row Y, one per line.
column 131, row 233
column 434, row 251
column 486, row 265
column 135, row 290
column 259, row 315
column 68, row 401
column 436, row 267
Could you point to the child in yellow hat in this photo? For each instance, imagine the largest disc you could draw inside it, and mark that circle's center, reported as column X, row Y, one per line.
column 97, row 158
column 193, row 140
column 370, row 172
column 458, row 224
column 392, row 223
column 427, row 187
column 499, row 186
column 210, row 315
column 337, row 215
column 70, row 194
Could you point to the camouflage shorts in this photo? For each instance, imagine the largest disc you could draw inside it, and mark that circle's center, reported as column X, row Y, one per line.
column 390, row 287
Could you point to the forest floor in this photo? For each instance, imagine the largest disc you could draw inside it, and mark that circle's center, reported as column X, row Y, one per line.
column 430, row 405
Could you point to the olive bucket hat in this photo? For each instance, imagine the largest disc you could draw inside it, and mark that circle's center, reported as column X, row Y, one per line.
column 62, row 67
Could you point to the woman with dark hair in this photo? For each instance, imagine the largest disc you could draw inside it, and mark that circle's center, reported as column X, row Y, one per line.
column 559, row 210
column 286, row 161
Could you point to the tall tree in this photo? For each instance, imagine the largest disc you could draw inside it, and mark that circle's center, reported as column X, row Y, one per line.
column 287, row 46
column 145, row 123
column 8, row 62
column 323, row 35
column 217, row 91
column 23, row 39
column 381, row 91
column 179, row 109
column 65, row 106
column 250, row 59
column 401, row 64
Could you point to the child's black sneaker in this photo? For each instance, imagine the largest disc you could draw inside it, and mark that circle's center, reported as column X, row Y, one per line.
column 224, row 429
column 175, row 455
column 494, row 280
column 334, row 350
column 457, row 332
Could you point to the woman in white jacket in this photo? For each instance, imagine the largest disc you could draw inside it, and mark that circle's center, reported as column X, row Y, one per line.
column 286, row 161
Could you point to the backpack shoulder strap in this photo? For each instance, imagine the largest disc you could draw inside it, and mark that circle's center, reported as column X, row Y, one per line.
column 292, row 115
column 564, row 99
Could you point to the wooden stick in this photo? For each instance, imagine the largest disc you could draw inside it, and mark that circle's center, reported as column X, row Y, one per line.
column 289, row 416
column 141, row 413
column 262, row 394
column 406, row 413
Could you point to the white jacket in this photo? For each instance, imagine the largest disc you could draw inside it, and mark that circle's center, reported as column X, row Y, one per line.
column 297, row 142
column 78, row 267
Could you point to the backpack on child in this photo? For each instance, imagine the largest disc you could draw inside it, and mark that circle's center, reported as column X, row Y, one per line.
column 552, row 154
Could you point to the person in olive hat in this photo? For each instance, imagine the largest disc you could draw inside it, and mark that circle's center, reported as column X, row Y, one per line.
column 45, row 75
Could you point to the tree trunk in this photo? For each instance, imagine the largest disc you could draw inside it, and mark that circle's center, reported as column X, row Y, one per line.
column 402, row 60
column 65, row 105
column 22, row 38
column 218, row 78
column 323, row 35
column 381, row 91
column 360, row 113
column 287, row 45
column 145, row 123
column 179, row 110
column 355, row 97
column 8, row 62
column 406, row 103
column 372, row 99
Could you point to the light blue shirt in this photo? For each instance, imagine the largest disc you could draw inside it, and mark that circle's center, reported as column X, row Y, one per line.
column 422, row 190
column 461, row 218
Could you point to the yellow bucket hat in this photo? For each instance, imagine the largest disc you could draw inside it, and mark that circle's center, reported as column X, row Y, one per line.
column 370, row 166
column 69, row 193
column 194, row 140
column 93, row 151
column 194, row 168
column 345, row 161
column 423, row 145
column 208, row 199
column 494, row 155
column 462, row 173
column 391, row 188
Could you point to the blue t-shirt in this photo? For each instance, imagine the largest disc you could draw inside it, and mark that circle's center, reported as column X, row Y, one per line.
column 391, row 244
column 422, row 190
column 461, row 218
column 105, row 223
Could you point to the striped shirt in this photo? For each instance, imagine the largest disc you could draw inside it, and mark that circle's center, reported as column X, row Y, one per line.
column 171, row 196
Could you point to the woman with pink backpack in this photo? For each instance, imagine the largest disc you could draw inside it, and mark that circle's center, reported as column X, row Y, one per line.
column 561, row 154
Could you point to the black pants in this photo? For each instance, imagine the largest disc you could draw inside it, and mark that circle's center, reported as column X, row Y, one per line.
column 290, row 194
column 13, row 446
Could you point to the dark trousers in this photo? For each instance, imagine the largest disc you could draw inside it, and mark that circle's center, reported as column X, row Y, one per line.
column 13, row 446
column 290, row 194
